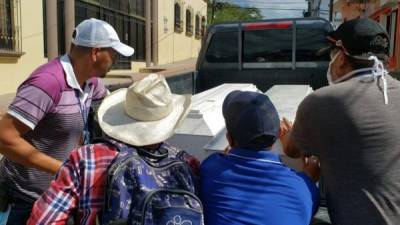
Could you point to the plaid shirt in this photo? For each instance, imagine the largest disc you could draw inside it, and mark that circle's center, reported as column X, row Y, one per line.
column 79, row 187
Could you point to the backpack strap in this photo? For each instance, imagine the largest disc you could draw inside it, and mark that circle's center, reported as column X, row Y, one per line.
column 119, row 146
column 159, row 155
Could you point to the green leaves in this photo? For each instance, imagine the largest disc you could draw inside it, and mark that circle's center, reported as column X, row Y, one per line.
column 224, row 12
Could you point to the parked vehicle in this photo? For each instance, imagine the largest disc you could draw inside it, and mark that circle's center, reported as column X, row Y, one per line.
column 268, row 52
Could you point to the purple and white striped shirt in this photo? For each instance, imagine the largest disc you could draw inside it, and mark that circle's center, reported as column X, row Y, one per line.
column 47, row 102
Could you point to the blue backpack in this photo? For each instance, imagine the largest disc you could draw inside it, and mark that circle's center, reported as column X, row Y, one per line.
column 151, row 189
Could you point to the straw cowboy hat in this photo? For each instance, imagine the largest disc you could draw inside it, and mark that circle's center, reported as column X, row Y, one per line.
column 145, row 113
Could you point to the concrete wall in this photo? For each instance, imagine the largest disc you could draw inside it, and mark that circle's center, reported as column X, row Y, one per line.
column 177, row 46
column 14, row 70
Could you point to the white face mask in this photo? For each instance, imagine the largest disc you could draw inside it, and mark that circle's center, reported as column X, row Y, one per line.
column 328, row 73
column 377, row 71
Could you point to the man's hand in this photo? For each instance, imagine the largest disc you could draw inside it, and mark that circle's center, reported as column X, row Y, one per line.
column 284, row 131
column 311, row 167
column 17, row 149
column 288, row 147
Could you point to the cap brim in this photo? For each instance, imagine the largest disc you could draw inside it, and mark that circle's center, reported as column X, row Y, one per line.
column 123, row 49
column 331, row 37
column 117, row 124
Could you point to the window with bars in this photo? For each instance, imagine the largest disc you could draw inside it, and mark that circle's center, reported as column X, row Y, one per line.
column 197, row 27
column 126, row 16
column 10, row 39
column 189, row 25
column 203, row 26
column 178, row 23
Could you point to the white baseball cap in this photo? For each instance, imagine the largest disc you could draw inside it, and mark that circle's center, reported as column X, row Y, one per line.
column 96, row 33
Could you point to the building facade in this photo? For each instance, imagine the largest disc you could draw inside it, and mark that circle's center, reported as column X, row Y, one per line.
column 21, row 41
column 179, row 37
column 34, row 31
column 386, row 12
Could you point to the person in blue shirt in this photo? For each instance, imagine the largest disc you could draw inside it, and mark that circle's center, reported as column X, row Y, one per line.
column 249, row 184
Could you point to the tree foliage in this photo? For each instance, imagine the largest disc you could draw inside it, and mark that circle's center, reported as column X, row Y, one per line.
column 224, row 11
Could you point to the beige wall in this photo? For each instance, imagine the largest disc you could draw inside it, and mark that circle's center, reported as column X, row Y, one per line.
column 173, row 47
column 177, row 46
column 14, row 71
column 135, row 68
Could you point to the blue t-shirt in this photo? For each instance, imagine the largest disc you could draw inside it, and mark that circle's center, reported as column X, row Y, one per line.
column 254, row 187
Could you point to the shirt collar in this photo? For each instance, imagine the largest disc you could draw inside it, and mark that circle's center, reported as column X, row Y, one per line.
column 265, row 155
column 70, row 74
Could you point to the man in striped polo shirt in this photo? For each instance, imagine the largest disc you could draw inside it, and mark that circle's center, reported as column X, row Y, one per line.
column 48, row 116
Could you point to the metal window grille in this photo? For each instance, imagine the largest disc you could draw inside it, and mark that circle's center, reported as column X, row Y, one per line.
column 126, row 16
column 177, row 16
column 189, row 25
column 10, row 26
column 203, row 26
column 197, row 27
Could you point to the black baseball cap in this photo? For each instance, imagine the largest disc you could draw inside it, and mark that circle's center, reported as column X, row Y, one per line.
column 359, row 38
column 251, row 119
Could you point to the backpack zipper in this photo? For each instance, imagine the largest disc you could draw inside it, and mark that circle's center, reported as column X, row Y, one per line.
column 173, row 191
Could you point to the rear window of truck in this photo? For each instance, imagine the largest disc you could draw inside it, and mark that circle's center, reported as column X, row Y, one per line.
column 310, row 37
column 268, row 45
column 223, row 48
column 265, row 42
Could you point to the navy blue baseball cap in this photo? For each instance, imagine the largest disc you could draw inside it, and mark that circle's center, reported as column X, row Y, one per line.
column 251, row 119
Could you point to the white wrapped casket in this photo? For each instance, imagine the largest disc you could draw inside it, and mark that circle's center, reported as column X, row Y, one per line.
column 286, row 99
column 205, row 121
column 203, row 131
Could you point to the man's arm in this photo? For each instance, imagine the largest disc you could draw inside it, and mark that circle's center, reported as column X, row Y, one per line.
column 17, row 149
column 35, row 98
column 311, row 165
column 288, row 146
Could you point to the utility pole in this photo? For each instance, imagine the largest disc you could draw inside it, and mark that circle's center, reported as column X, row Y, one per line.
column 314, row 7
column 331, row 10
column 213, row 10
column 318, row 11
column 308, row 13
